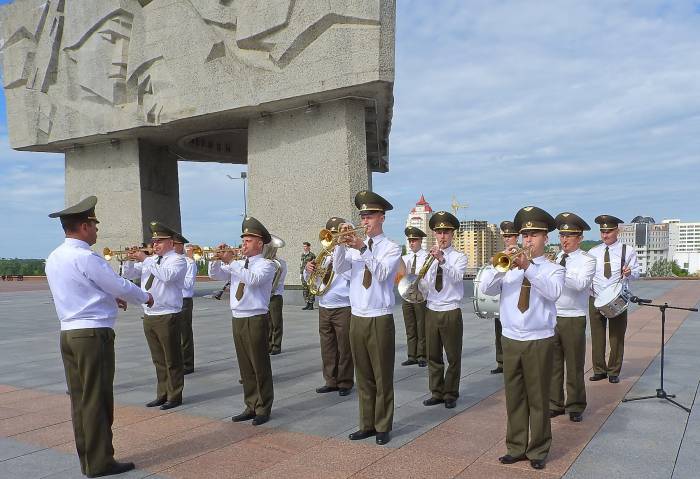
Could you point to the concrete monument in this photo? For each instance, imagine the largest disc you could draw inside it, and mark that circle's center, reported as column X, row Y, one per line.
column 299, row 90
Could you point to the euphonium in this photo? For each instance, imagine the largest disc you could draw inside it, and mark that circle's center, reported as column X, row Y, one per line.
column 504, row 261
column 410, row 287
column 270, row 252
column 322, row 276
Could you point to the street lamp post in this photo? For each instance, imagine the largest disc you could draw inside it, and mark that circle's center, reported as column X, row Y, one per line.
column 243, row 177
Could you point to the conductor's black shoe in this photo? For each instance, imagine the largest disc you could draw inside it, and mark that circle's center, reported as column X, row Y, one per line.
column 498, row 370
column 116, row 468
column 244, row 416
column 508, row 459
column 537, row 463
column 275, row 352
column 326, row 389
column 409, row 362
column 555, row 413
column 450, row 403
column 170, row 405
column 188, row 371
column 383, row 438
column 614, row 379
column 156, row 402
column 343, row 391
column 575, row 416
column 598, row 377
column 422, row 363
column 260, row 420
column 358, row 435
column 432, row 402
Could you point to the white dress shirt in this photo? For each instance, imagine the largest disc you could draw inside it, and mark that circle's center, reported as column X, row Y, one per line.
column 600, row 282
column 420, row 258
column 168, row 281
column 337, row 294
column 190, row 278
column 580, row 268
column 538, row 321
column 382, row 261
column 258, row 284
column 279, row 288
column 452, row 292
column 84, row 287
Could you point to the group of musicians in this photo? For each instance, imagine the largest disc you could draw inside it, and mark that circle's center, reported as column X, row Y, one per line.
column 539, row 334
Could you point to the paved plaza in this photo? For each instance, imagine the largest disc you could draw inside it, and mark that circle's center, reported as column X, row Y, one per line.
column 307, row 434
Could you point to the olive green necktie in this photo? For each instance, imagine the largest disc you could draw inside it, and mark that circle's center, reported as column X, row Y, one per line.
column 606, row 261
column 241, row 284
column 524, row 299
column 367, row 276
column 438, row 279
column 563, row 259
column 413, row 266
column 149, row 281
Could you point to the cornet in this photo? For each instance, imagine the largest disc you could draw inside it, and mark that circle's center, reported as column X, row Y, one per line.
column 123, row 254
column 212, row 254
column 504, row 261
column 329, row 237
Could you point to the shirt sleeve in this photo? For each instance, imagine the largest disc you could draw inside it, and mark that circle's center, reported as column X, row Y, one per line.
column 132, row 270
column 190, row 275
column 455, row 269
column 255, row 273
column 170, row 271
column 382, row 267
column 581, row 280
column 549, row 283
column 341, row 259
column 491, row 281
column 633, row 264
column 100, row 273
column 219, row 271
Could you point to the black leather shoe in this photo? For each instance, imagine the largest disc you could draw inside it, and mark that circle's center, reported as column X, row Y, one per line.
column 358, row 435
column 274, row 353
column 156, row 402
column 450, row 404
column 555, row 413
column 188, row 371
column 422, row 363
column 326, row 389
column 170, row 404
column 498, row 370
column 575, row 416
column 310, row 306
column 260, row 420
column 537, row 463
column 382, row 438
column 598, row 377
column 244, row 416
column 508, row 459
column 409, row 362
column 343, row 391
column 116, row 468
column 432, row 402
column 305, row 308
column 614, row 379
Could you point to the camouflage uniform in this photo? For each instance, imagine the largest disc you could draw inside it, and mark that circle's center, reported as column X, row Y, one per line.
column 305, row 258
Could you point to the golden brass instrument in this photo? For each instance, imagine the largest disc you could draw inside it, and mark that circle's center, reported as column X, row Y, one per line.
column 410, row 287
column 123, row 254
column 270, row 252
column 342, row 236
column 212, row 254
column 504, row 261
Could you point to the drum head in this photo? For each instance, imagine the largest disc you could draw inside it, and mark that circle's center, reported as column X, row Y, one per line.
column 607, row 295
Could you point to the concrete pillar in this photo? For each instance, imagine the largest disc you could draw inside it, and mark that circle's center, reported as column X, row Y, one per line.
column 135, row 182
column 303, row 168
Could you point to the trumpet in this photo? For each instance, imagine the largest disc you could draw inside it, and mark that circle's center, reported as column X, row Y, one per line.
column 212, row 254
column 123, row 254
column 503, row 261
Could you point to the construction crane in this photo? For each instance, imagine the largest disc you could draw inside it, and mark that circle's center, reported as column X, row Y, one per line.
column 457, row 206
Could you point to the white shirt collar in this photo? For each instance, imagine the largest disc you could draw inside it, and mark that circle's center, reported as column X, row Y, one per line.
column 76, row 243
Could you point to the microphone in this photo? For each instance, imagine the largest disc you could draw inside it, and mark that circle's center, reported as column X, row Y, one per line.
column 638, row 300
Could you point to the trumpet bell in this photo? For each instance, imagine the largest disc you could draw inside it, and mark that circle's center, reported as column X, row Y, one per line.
column 503, row 262
column 412, row 290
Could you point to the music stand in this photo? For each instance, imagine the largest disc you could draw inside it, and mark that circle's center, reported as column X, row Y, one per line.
column 661, row 392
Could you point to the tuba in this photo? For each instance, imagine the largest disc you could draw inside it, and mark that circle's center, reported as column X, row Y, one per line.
column 410, row 287
column 270, row 252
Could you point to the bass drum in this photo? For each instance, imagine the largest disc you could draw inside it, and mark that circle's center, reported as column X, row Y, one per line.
column 485, row 306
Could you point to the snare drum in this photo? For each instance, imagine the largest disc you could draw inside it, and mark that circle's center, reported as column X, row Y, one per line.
column 613, row 300
column 485, row 306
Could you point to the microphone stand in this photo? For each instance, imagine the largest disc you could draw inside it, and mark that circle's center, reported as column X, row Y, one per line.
column 661, row 392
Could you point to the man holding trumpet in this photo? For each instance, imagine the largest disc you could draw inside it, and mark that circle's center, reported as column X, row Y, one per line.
column 251, row 286
column 510, row 240
column 529, row 286
column 372, row 267
column 414, row 313
column 444, row 281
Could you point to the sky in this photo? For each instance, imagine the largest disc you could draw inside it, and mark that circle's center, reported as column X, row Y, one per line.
column 591, row 107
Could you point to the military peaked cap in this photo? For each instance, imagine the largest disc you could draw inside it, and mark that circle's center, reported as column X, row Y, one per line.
column 370, row 202
column 83, row 210
column 533, row 218
column 253, row 227
column 571, row 223
column 442, row 220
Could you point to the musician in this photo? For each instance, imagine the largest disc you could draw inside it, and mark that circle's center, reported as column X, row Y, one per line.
column 528, row 315
column 443, row 320
column 251, row 288
column 306, row 256
column 86, row 294
column 510, row 240
column 163, row 275
column 334, row 326
column 186, row 336
column 372, row 267
column 414, row 313
column 614, row 262
column 276, row 300
column 570, row 331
